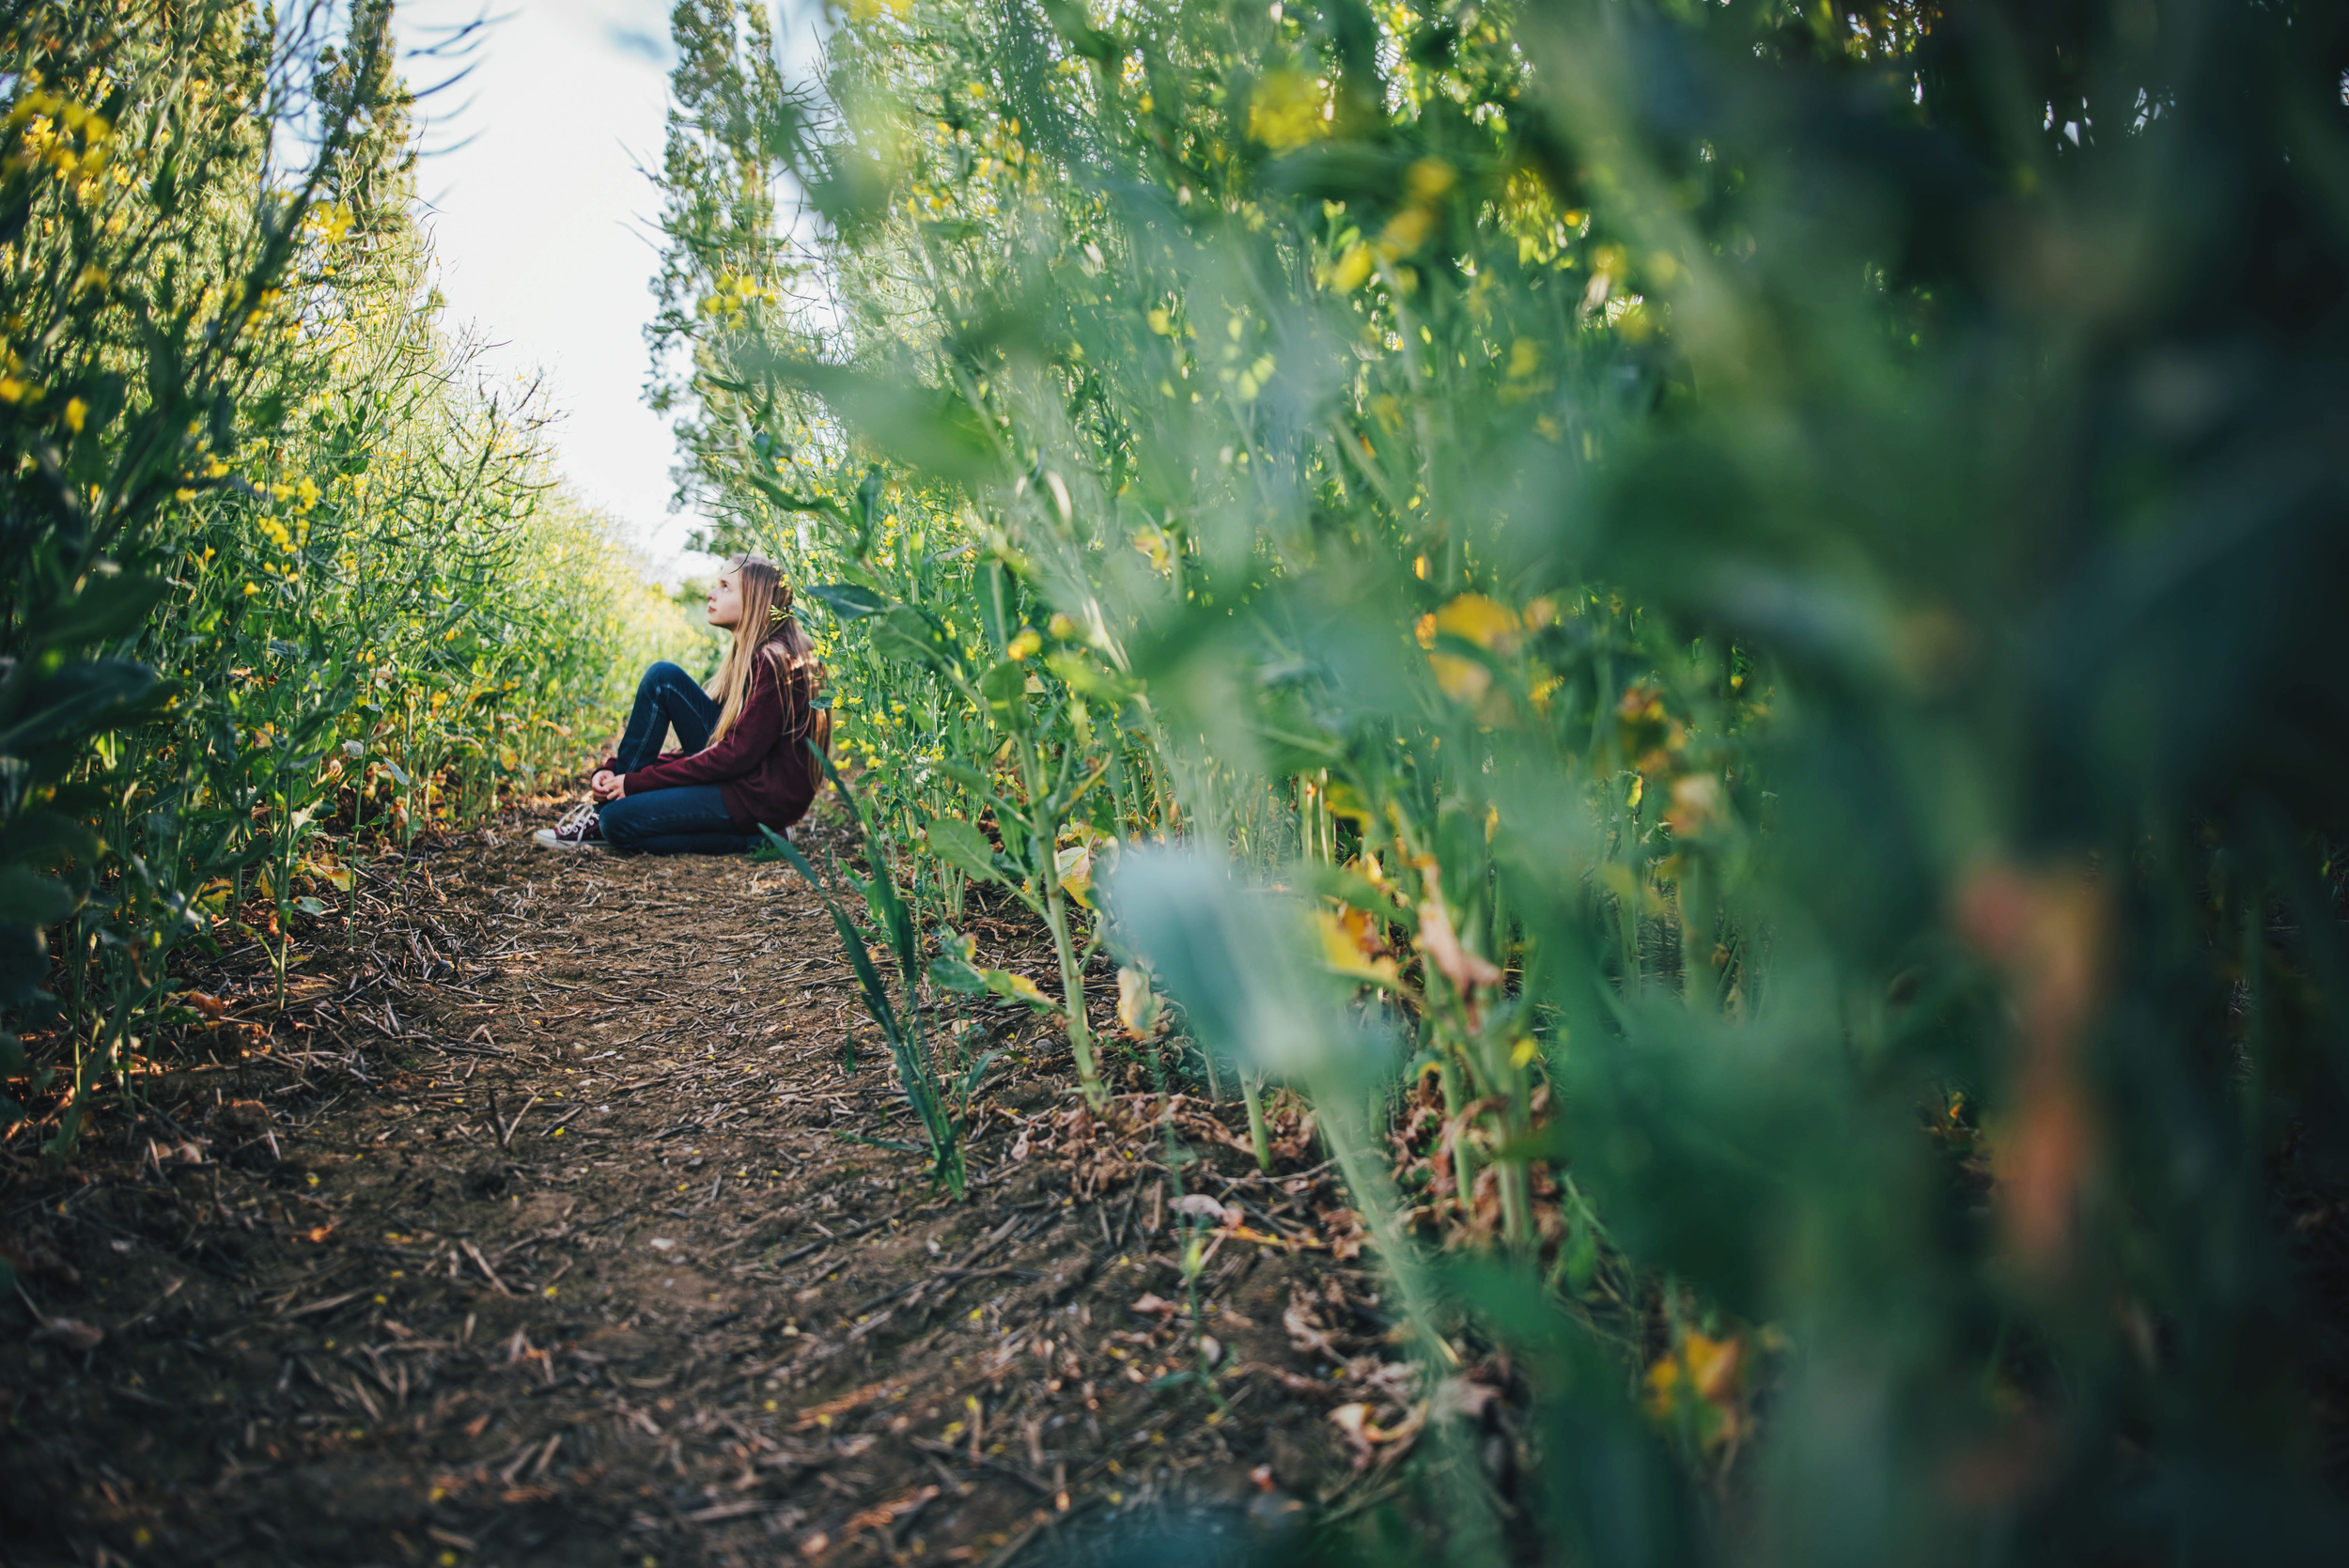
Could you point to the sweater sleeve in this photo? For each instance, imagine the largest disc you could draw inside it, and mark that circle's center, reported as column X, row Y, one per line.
column 733, row 756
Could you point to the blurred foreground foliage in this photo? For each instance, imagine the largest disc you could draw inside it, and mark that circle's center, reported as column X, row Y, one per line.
column 282, row 574
column 1717, row 625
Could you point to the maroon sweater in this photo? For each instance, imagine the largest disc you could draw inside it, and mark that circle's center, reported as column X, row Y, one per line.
column 762, row 764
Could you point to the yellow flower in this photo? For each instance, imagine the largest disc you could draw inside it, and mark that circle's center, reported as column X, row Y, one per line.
column 1707, row 1368
column 1407, row 231
column 1350, row 270
column 1487, row 623
column 1024, row 646
column 1430, row 178
column 76, row 414
column 1154, row 544
column 1288, row 109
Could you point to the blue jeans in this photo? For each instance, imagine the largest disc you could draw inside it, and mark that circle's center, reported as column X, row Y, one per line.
column 667, row 698
column 688, row 822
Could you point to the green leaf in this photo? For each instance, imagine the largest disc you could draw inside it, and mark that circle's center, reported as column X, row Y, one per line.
column 1018, row 987
column 880, row 893
column 996, row 604
column 868, row 976
column 967, row 776
column 847, row 599
column 868, row 498
column 1353, row 887
column 1084, row 675
column 951, row 970
column 851, row 939
column 309, row 906
column 106, row 608
column 83, row 699
column 32, row 900
column 916, row 636
column 921, row 426
column 1005, row 689
column 23, row 963
column 1581, row 1256
column 964, row 847
column 971, row 1080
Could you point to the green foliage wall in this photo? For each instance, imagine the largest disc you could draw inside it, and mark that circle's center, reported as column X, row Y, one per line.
column 1775, row 569
column 281, row 572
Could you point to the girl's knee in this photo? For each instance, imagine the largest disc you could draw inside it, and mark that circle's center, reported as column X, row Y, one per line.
column 660, row 674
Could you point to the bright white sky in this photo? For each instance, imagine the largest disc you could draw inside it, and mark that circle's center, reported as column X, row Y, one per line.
column 545, row 227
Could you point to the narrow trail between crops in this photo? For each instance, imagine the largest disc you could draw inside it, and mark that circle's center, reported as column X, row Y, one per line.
column 529, row 1233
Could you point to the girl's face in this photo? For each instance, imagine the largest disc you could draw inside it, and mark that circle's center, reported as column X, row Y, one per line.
column 725, row 600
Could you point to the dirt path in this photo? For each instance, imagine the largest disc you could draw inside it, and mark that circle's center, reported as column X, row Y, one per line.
column 529, row 1236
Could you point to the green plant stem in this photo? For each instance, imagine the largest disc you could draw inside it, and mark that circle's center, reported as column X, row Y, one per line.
column 1044, row 823
column 1257, row 1134
column 1455, row 1098
column 1071, row 989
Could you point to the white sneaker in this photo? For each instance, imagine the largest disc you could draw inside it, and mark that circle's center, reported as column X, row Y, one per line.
column 580, row 828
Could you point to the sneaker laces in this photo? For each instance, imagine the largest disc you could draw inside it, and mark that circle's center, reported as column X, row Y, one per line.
column 580, row 822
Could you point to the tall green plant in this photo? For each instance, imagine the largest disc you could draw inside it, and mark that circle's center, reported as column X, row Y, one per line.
column 145, row 246
column 939, row 1093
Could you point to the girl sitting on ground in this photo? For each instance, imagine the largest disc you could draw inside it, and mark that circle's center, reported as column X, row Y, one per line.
column 744, row 761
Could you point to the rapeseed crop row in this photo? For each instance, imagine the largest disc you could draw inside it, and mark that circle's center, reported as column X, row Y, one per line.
column 1709, row 625
column 284, row 576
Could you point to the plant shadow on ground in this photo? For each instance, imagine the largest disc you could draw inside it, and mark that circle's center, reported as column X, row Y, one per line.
column 529, row 1233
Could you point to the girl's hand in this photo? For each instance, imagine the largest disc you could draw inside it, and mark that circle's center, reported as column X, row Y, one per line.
column 607, row 785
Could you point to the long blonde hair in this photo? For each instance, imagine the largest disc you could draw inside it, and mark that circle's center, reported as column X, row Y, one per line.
column 766, row 617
